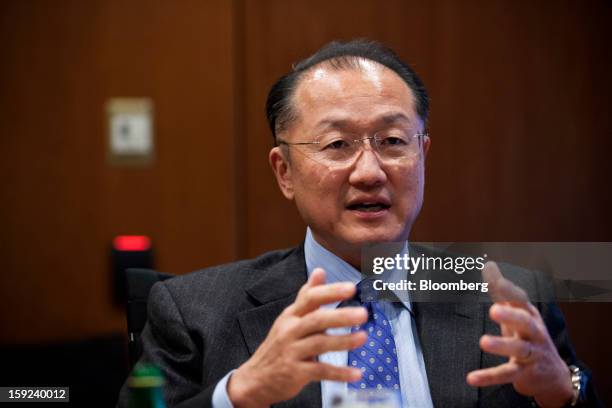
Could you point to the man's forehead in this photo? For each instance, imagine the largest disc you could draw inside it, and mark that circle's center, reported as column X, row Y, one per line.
column 371, row 70
column 330, row 75
column 335, row 121
column 384, row 97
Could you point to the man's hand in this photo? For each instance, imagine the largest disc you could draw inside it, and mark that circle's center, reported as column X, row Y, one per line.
column 534, row 368
column 286, row 360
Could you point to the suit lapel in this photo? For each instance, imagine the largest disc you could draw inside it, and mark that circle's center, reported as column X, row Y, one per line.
column 449, row 334
column 271, row 294
column 256, row 323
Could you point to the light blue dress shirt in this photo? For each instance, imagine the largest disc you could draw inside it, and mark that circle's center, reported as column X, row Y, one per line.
column 413, row 377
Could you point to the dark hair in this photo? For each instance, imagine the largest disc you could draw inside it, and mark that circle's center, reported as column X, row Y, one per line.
column 340, row 55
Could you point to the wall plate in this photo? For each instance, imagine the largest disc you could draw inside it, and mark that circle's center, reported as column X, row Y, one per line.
column 130, row 131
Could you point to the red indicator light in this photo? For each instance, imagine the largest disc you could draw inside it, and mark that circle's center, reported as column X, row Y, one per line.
column 132, row 243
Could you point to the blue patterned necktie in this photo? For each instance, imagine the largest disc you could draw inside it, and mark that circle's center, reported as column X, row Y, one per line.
column 377, row 358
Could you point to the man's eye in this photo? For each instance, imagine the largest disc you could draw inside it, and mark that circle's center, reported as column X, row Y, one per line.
column 393, row 141
column 336, row 145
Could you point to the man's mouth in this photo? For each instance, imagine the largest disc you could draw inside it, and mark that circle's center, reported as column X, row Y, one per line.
column 368, row 207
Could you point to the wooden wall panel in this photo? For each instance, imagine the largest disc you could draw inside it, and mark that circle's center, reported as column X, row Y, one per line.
column 61, row 203
column 517, row 134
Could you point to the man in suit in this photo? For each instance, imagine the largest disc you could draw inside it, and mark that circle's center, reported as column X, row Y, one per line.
column 350, row 148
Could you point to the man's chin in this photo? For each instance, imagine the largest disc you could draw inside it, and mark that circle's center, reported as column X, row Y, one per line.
column 366, row 236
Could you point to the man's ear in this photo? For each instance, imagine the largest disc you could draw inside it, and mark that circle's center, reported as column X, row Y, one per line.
column 282, row 170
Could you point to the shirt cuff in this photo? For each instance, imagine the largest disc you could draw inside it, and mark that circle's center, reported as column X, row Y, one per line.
column 220, row 398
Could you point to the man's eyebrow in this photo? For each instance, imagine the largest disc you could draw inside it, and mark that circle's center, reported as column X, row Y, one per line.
column 333, row 124
column 395, row 117
column 336, row 123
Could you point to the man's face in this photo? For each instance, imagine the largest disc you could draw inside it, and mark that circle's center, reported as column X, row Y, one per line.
column 367, row 200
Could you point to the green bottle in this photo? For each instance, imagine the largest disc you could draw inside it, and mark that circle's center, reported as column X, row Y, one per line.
column 146, row 387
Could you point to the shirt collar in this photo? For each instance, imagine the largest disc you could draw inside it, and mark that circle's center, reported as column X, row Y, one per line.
column 336, row 269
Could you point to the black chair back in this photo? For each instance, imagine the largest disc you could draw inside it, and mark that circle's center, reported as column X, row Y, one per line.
column 139, row 283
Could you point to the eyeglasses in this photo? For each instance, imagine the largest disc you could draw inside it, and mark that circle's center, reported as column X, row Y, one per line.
column 391, row 147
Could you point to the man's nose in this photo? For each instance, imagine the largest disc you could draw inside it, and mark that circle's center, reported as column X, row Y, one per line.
column 367, row 170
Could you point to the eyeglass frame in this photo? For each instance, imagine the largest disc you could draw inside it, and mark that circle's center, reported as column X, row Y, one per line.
column 419, row 135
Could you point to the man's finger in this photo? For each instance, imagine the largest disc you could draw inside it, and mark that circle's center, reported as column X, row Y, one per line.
column 502, row 374
column 534, row 312
column 500, row 288
column 507, row 346
column 321, row 371
column 506, row 331
column 312, row 297
column 317, row 277
column 317, row 344
column 322, row 319
column 517, row 320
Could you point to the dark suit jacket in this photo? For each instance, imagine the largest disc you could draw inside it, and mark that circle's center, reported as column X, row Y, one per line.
column 202, row 325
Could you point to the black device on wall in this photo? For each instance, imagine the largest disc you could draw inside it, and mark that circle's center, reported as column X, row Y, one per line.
column 128, row 251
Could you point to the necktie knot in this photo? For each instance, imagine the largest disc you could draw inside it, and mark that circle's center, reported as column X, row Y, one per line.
column 364, row 295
